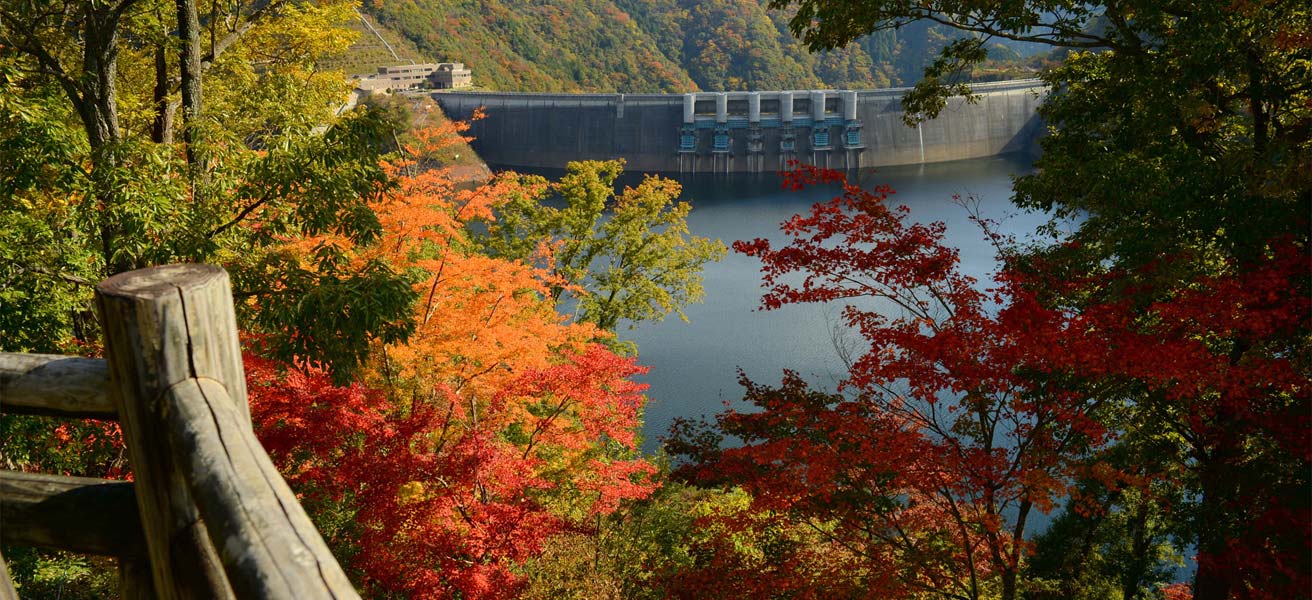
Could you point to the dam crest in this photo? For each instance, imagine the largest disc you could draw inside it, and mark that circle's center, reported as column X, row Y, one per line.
column 745, row 132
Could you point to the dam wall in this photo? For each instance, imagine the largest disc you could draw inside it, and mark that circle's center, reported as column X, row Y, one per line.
column 744, row 131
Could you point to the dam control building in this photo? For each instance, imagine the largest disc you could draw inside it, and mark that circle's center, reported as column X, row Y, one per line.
column 728, row 132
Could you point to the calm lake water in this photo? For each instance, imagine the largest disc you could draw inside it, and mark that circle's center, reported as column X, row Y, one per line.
column 694, row 365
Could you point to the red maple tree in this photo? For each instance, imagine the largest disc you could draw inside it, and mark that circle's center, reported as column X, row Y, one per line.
column 924, row 471
column 1218, row 369
column 970, row 409
column 441, row 507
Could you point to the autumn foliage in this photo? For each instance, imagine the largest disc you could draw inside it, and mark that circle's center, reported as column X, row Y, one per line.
column 1218, row 365
column 968, row 410
column 925, row 470
column 495, row 426
column 441, row 505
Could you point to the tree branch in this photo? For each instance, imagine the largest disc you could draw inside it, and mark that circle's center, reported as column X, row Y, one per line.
column 237, row 33
column 245, row 212
column 49, row 64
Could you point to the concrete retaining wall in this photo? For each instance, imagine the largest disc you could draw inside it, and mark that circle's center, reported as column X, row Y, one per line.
column 549, row 130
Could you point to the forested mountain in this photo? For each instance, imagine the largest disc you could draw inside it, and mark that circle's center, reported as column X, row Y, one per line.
column 653, row 46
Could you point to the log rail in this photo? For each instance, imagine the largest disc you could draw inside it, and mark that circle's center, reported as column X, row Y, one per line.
column 206, row 515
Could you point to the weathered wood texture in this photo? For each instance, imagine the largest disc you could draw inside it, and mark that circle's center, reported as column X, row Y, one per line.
column 178, row 383
column 173, row 377
column 54, row 385
column 165, row 325
column 78, row 514
column 268, row 545
column 7, row 591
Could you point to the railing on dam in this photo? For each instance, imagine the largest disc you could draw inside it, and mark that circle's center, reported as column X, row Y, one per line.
column 745, row 131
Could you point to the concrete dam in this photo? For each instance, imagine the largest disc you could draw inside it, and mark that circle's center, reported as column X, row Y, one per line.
column 738, row 132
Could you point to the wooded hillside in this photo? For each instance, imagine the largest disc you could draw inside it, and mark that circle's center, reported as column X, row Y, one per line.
column 653, row 46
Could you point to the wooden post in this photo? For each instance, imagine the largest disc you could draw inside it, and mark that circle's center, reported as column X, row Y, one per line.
column 164, row 325
column 7, row 591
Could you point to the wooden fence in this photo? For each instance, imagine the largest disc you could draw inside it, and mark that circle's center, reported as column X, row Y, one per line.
column 206, row 514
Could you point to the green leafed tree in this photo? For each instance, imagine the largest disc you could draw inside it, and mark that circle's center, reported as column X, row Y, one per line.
column 620, row 257
column 99, row 177
column 143, row 132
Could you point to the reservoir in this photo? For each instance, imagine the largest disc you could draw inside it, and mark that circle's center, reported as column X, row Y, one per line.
column 694, row 365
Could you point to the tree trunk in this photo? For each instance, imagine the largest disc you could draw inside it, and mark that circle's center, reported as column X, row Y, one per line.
column 162, row 130
column 1139, row 556
column 190, row 64
column 1012, row 566
column 98, row 104
column 1211, row 581
column 1218, row 480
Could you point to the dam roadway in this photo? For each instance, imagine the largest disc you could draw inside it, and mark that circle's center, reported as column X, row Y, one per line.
column 745, row 131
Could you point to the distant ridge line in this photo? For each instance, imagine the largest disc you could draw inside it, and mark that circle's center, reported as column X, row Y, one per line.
column 986, row 86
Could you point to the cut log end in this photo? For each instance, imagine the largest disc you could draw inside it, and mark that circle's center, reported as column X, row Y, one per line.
column 156, row 282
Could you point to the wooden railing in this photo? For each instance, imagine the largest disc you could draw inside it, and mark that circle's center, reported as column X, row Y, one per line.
column 206, row 514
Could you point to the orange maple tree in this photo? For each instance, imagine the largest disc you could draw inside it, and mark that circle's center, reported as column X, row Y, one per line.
column 497, row 424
